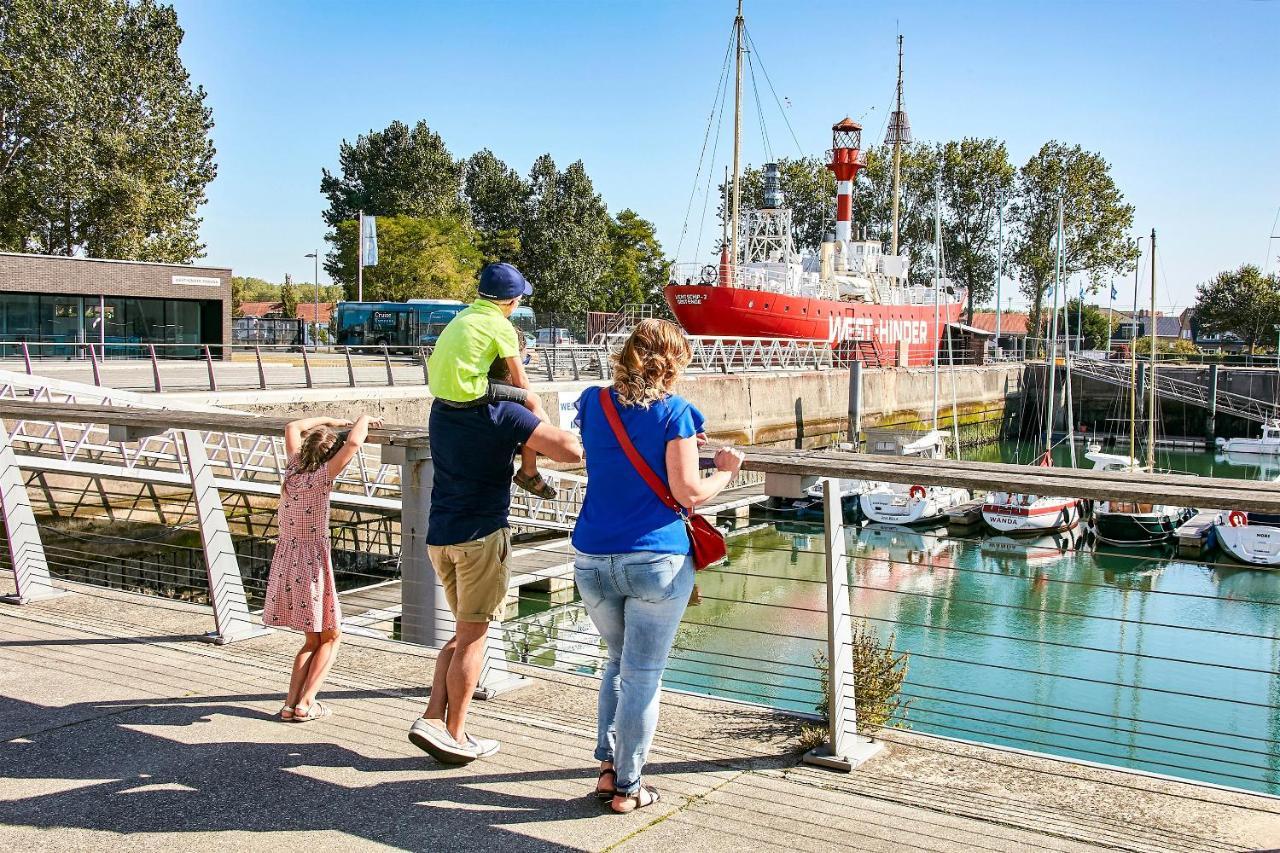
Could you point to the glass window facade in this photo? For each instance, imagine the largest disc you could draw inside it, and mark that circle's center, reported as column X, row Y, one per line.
column 56, row 325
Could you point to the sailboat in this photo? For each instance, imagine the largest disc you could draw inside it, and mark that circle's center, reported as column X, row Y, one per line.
column 905, row 504
column 1136, row 523
column 1020, row 514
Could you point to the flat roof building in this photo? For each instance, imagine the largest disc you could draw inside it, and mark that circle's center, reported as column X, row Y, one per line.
column 55, row 304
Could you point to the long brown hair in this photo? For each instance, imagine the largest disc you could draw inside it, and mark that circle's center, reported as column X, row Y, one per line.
column 650, row 362
column 314, row 453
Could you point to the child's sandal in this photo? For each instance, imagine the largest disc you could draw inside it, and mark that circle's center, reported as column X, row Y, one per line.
column 285, row 713
column 535, row 485
column 315, row 712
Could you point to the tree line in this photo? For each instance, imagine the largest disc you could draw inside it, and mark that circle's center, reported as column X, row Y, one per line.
column 974, row 179
column 441, row 218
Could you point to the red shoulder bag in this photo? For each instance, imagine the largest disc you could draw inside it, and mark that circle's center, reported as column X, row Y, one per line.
column 706, row 542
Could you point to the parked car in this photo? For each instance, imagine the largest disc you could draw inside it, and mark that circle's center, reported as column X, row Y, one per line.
column 555, row 338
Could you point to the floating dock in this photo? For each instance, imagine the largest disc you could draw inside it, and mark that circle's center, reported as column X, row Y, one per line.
column 1196, row 535
column 966, row 516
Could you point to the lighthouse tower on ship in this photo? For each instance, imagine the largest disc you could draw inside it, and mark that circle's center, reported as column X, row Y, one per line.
column 846, row 160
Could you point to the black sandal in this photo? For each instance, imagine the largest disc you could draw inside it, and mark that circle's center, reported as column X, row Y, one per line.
column 631, row 802
column 602, row 794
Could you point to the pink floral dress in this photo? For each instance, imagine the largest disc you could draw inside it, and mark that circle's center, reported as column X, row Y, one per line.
column 301, row 593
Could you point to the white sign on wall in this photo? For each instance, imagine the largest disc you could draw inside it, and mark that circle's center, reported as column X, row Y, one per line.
column 197, row 281
column 565, row 402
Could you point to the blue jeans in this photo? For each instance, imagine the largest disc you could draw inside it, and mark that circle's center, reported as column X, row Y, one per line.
column 635, row 601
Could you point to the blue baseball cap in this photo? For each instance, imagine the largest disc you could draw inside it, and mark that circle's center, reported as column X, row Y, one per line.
column 503, row 281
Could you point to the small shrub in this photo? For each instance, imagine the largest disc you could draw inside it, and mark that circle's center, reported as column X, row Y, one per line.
column 878, row 673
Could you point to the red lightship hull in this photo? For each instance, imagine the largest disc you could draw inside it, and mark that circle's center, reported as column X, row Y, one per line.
column 733, row 312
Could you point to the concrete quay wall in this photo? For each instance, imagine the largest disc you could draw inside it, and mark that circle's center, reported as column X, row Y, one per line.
column 793, row 408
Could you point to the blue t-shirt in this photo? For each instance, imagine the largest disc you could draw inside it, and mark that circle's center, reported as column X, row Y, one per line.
column 472, row 451
column 621, row 514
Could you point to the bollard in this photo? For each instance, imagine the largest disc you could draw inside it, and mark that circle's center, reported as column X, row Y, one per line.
column 845, row 749
column 155, row 368
column 208, row 360
column 306, row 368
column 351, row 371
column 386, row 358
column 26, row 551
column 262, row 374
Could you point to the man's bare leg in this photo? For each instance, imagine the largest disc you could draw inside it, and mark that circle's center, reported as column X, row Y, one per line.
column 465, row 667
column 438, row 703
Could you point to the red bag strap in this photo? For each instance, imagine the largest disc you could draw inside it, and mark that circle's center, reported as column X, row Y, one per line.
column 661, row 489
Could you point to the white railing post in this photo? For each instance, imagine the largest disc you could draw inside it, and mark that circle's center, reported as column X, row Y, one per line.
column 26, row 551
column 231, row 617
column 845, row 748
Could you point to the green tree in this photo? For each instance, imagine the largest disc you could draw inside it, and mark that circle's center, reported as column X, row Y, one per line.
column 1242, row 302
column 497, row 197
column 873, row 202
column 288, row 297
column 976, row 177
column 417, row 259
column 399, row 171
column 637, row 269
column 564, row 239
column 808, row 188
column 237, row 296
column 253, row 289
column 1096, row 221
column 104, row 143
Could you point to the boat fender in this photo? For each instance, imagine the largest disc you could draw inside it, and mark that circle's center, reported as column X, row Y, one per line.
column 1236, row 518
column 917, row 492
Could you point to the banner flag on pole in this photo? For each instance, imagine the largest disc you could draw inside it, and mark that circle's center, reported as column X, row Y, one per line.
column 1114, row 293
column 369, row 241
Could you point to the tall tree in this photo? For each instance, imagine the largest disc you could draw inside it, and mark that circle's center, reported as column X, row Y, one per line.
column 637, row 270
column 1242, row 302
column 496, row 197
column 417, row 259
column 1096, row 221
column 976, row 175
column 104, row 143
column 565, row 238
column 399, row 171
column 288, row 297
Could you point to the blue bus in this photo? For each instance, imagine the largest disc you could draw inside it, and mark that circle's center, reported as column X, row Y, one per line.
column 408, row 325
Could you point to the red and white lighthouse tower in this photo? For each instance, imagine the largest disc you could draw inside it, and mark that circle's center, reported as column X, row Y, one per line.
column 846, row 160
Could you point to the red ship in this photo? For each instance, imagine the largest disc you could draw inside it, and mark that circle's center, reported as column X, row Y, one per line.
column 851, row 294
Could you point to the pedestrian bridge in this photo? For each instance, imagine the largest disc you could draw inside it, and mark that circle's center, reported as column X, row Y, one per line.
column 145, row 729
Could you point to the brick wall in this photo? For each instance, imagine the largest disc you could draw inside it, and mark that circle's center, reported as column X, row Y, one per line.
column 91, row 277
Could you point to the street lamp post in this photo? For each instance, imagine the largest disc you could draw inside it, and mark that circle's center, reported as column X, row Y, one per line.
column 315, row 317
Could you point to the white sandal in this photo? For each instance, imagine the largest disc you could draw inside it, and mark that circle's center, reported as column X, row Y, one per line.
column 315, row 712
column 285, row 709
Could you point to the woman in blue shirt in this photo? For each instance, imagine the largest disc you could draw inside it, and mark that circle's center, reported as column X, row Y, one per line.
column 632, row 567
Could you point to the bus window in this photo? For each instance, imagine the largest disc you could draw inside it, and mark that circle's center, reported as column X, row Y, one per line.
column 524, row 320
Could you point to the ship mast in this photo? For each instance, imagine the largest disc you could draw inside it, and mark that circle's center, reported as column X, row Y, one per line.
column 1151, row 379
column 899, row 132
column 737, row 131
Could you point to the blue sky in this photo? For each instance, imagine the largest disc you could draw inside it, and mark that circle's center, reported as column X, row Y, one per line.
column 1183, row 98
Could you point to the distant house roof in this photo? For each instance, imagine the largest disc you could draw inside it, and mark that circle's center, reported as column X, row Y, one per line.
column 306, row 310
column 1168, row 327
column 1011, row 322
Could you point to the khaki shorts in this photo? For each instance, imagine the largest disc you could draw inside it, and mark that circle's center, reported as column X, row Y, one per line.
column 475, row 576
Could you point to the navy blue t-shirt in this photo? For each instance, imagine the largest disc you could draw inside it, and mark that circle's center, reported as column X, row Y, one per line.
column 621, row 514
column 472, row 451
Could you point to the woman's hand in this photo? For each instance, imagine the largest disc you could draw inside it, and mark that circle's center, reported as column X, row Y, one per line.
column 729, row 459
column 374, row 423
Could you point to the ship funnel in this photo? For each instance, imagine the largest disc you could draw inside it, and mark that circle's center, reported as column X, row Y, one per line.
column 772, row 187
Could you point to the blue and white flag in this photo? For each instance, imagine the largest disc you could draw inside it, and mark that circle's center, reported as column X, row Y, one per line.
column 369, row 241
column 1114, row 293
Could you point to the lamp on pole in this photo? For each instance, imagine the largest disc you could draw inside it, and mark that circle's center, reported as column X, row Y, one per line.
column 315, row 317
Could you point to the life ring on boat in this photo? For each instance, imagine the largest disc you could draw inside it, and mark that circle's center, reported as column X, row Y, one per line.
column 1236, row 518
column 709, row 274
column 917, row 493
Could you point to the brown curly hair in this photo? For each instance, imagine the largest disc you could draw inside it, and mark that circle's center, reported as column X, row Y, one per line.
column 650, row 362
column 315, row 451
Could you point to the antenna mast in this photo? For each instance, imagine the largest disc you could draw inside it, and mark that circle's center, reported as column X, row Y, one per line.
column 737, row 131
column 899, row 132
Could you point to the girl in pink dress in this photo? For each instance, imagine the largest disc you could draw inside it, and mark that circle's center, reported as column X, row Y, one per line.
column 301, row 593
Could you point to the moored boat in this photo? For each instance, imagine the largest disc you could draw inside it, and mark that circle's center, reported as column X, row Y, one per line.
column 1251, row 538
column 1266, row 445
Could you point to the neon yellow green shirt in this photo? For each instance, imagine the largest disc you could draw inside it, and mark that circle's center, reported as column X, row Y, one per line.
column 458, row 369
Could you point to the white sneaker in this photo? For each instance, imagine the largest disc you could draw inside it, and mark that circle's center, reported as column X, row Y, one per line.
column 483, row 746
column 437, row 741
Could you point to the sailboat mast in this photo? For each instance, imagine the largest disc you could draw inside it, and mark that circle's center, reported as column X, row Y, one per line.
column 937, row 289
column 1051, row 389
column 1151, row 384
column 1133, row 359
column 896, row 127
column 737, row 134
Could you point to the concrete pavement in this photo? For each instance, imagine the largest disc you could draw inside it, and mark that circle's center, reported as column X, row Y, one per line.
column 120, row 730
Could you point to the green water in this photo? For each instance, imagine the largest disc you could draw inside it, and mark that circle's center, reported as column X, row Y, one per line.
column 1129, row 658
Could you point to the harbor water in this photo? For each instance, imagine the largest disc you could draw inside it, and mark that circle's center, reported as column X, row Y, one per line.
column 1126, row 657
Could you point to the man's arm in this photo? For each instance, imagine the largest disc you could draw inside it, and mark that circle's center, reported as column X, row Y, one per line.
column 558, row 445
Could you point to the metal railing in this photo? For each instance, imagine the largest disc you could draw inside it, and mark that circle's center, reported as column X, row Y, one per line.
column 1205, row 396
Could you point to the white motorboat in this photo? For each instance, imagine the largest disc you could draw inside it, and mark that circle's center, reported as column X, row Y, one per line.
column 1249, row 537
column 898, row 503
column 1024, row 515
column 1267, row 445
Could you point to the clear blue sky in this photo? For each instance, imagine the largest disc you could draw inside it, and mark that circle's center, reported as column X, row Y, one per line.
column 1183, row 98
